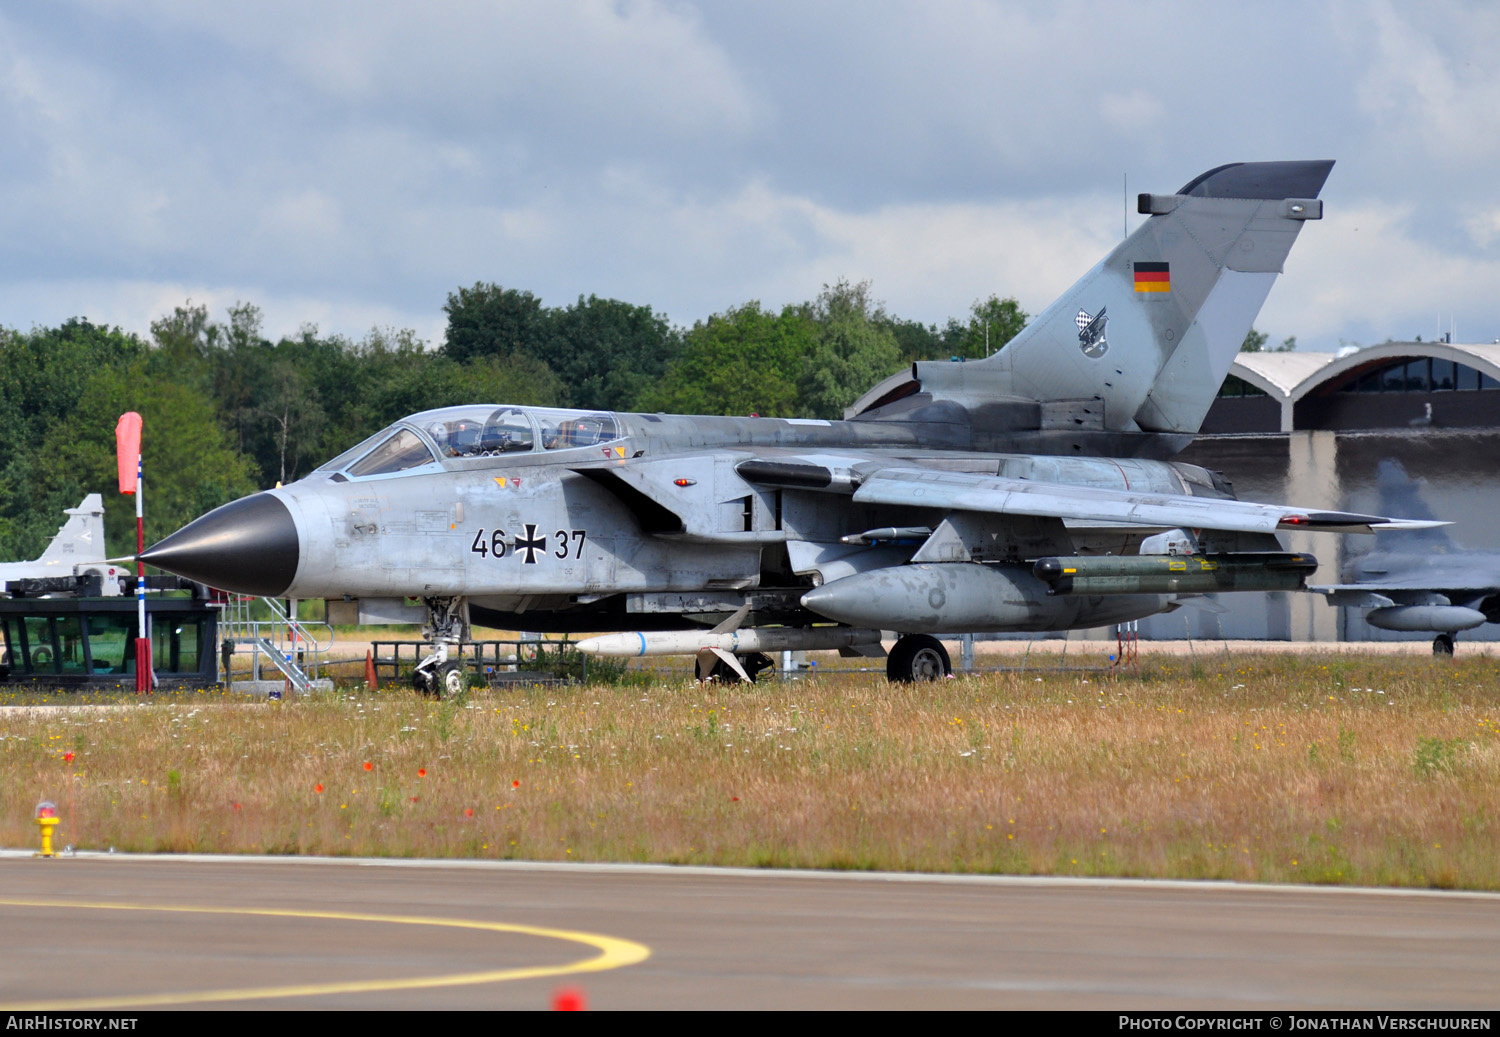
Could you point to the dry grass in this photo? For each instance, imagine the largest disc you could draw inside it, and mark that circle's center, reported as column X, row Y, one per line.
column 1380, row 771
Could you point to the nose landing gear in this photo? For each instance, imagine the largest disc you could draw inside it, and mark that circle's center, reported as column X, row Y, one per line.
column 447, row 627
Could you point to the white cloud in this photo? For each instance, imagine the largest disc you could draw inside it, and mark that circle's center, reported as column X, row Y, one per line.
column 1365, row 268
column 1432, row 83
column 364, row 159
column 1484, row 226
column 641, row 67
column 133, row 305
column 1133, row 112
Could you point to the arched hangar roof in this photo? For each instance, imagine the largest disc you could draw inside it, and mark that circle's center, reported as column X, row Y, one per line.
column 1278, row 374
column 1290, row 378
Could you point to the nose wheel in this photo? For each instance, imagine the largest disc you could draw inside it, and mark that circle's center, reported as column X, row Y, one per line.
column 917, row 658
column 440, row 682
column 437, row 676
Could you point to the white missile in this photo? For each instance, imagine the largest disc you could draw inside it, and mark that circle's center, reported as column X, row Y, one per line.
column 751, row 639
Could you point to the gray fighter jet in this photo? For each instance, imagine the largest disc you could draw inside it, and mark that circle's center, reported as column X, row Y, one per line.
column 1030, row 491
column 1419, row 579
column 73, row 562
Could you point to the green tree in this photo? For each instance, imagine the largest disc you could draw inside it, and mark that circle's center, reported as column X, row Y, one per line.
column 853, row 349
column 1255, row 342
column 915, row 340
column 291, row 418
column 43, row 375
column 488, row 320
column 992, row 323
column 743, row 361
column 607, row 353
column 186, row 341
column 190, row 467
column 238, row 369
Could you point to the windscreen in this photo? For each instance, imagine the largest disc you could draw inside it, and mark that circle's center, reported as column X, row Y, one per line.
column 402, row 451
column 338, row 463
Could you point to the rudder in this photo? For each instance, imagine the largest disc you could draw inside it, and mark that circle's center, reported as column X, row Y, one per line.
column 1151, row 331
column 81, row 538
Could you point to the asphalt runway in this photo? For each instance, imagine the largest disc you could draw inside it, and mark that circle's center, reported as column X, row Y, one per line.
column 98, row 931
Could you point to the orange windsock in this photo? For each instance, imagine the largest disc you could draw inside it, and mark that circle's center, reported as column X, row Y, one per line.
column 128, row 449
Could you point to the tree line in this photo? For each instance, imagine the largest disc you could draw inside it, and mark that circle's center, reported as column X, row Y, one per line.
column 228, row 411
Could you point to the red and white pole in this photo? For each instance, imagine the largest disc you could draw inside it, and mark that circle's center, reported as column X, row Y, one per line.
column 143, row 674
column 128, row 455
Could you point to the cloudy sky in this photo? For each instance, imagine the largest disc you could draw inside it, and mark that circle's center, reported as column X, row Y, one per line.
column 349, row 164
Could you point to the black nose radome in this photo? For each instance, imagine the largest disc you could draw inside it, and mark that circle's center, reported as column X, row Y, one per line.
column 248, row 546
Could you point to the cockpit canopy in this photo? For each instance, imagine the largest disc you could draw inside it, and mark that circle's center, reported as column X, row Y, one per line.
column 463, row 433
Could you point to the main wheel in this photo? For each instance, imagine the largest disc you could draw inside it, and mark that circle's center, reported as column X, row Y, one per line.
column 1442, row 644
column 423, row 682
column 917, row 657
column 450, row 680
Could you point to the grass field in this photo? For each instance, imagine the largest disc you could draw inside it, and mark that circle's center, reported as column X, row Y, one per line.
column 1331, row 769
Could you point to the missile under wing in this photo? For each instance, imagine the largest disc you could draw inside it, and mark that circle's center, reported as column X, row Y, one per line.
column 930, row 508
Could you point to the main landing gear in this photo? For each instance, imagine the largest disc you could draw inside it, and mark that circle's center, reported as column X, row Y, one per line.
column 447, row 624
column 1442, row 645
column 916, row 658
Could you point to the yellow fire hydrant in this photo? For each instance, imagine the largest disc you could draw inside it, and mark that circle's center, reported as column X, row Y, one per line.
column 46, row 820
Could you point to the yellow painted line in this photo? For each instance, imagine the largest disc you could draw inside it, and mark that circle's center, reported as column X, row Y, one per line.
column 614, row 953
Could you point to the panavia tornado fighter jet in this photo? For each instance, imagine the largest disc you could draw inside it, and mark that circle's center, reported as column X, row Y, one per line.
column 1030, row 491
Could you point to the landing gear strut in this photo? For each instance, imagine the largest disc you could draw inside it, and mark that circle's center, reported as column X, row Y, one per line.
column 1442, row 644
column 447, row 626
column 917, row 657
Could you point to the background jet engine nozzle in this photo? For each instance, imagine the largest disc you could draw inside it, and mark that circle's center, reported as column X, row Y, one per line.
column 762, row 639
column 1175, row 574
column 1445, row 619
column 967, row 597
column 248, row 546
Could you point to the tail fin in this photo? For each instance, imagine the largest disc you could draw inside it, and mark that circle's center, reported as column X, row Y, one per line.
column 81, row 538
column 1152, row 330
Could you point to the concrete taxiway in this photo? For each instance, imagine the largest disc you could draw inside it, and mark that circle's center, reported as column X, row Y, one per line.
column 98, row 931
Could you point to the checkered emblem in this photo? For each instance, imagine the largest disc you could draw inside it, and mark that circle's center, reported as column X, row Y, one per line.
column 1091, row 333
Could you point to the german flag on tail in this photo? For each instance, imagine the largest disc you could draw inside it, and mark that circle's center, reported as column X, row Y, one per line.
column 1153, row 277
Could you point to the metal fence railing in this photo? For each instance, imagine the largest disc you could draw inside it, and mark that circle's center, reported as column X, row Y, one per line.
column 294, row 649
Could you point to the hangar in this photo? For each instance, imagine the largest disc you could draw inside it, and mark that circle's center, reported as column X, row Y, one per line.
column 1316, row 429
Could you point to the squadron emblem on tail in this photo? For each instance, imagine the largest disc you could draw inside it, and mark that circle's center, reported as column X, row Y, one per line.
column 1091, row 332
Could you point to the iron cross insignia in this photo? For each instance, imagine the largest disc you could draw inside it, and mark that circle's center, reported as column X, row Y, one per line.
column 531, row 544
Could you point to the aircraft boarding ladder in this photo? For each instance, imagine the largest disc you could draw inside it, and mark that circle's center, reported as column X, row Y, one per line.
column 294, row 648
